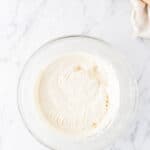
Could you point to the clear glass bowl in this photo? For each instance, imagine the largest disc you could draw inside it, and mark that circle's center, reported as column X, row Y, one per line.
column 42, row 57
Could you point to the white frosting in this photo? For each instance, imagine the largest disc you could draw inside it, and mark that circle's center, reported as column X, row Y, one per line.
column 78, row 94
column 141, row 18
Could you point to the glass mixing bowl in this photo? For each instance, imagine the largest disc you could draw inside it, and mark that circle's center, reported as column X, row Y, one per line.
column 70, row 44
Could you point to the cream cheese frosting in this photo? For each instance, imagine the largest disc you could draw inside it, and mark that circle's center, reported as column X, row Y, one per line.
column 78, row 93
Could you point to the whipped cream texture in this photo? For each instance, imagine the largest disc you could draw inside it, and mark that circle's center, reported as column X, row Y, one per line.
column 78, row 94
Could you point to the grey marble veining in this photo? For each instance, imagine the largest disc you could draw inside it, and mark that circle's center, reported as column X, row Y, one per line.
column 26, row 24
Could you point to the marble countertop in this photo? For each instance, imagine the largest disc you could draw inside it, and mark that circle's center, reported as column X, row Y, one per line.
column 27, row 24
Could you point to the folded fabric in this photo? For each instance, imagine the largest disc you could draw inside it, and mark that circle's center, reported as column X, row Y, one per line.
column 141, row 18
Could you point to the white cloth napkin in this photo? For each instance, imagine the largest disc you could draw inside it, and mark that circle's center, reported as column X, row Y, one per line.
column 141, row 18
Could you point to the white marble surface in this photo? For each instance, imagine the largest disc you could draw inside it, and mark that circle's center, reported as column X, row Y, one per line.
column 26, row 24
